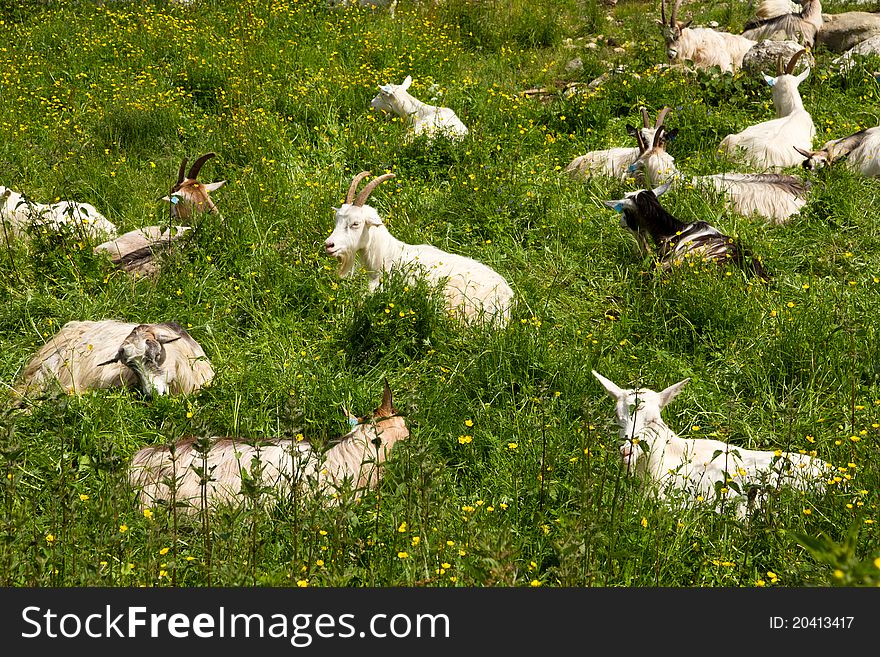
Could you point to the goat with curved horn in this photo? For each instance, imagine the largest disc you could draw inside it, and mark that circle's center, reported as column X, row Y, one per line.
column 473, row 292
column 701, row 46
column 189, row 196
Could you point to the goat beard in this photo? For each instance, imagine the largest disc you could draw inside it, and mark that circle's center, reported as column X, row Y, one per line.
column 346, row 264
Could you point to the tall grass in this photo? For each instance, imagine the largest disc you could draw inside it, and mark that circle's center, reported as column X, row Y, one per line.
column 510, row 475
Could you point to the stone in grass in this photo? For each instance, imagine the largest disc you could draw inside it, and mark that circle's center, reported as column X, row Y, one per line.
column 139, row 252
column 762, row 57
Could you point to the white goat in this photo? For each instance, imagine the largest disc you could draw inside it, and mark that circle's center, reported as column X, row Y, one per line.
column 693, row 470
column 772, row 196
column 615, row 162
column 771, row 144
column 474, row 291
column 18, row 214
column 703, row 46
column 775, row 20
column 676, row 241
column 155, row 358
column 859, row 151
column 188, row 196
column 355, row 460
column 423, row 119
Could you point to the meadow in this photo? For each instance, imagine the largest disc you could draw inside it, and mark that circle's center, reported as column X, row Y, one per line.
column 511, row 475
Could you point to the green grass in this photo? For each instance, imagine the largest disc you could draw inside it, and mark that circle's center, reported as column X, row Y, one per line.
column 99, row 102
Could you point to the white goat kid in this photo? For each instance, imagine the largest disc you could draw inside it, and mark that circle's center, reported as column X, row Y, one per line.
column 157, row 359
column 160, row 473
column 772, row 196
column 472, row 290
column 771, row 145
column 776, row 20
column 703, row 46
column 692, row 470
column 18, row 214
column 423, row 119
column 859, row 152
column 615, row 162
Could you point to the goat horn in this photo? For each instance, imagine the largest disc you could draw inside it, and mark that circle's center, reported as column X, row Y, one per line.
column 169, row 340
column 115, row 359
column 780, row 68
column 663, row 11
column 198, row 164
column 387, row 402
column 789, row 69
column 353, row 187
column 366, row 191
column 660, row 118
column 181, row 172
column 658, row 137
column 646, row 120
column 674, row 17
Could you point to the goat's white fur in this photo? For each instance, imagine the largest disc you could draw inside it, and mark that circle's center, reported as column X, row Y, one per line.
column 135, row 251
column 771, row 145
column 155, row 358
column 18, row 214
column 775, row 21
column 283, row 464
column 700, row 468
column 473, row 290
column 774, row 197
column 859, row 152
column 422, row 118
column 702, row 46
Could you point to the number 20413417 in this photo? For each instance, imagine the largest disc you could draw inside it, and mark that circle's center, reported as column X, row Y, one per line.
column 811, row 622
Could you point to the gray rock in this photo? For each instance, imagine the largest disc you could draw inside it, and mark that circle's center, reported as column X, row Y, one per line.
column 762, row 57
column 840, row 32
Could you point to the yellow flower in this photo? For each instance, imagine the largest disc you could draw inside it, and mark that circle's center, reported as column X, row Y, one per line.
column 302, row 583
column 838, row 573
column 468, row 423
column 83, row 497
column 877, row 562
column 415, row 540
column 123, row 528
column 50, row 538
column 512, row 445
column 644, row 522
column 148, row 514
column 319, row 562
column 807, row 512
column 164, row 551
column 463, row 440
column 402, row 527
column 535, row 582
column 402, row 555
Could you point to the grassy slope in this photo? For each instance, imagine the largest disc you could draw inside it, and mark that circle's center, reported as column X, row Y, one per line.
column 100, row 102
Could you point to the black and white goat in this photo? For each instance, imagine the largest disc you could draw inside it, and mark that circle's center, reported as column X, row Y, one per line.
column 676, row 241
column 775, row 197
column 859, row 152
column 615, row 162
column 157, row 359
column 775, row 20
column 771, row 144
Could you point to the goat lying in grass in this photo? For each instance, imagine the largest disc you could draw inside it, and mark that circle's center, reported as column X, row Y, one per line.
column 703, row 46
column 772, row 144
column 676, row 241
column 615, row 162
column 859, row 152
column 154, row 358
column 772, row 196
column 138, row 251
column 18, row 215
column 423, row 119
column 775, row 20
column 472, row 290
column 280, row 464
column 700, row 469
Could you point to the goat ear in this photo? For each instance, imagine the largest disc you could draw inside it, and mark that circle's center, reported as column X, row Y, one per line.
column 662, row 189
column 669, row 135
column 671, row 392
column 406, row 82
column 164, row 340
column 617, row 206
column 803, row 75
column 768, row 79
column 115, row 359
column 613, row 390
column 682, row 26
column 350, row 418
column 373, row 220
column 631, row 131
column 214, row 186
column 386, row 89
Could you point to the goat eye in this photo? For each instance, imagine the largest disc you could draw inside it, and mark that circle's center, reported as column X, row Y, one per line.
column 355, row 225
